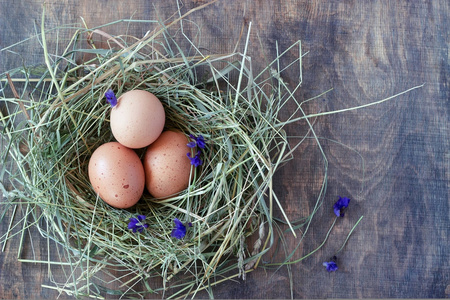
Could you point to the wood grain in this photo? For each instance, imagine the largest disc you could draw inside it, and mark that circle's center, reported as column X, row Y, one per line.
column 365, row 51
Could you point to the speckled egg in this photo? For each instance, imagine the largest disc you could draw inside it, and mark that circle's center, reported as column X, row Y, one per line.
column 138, row 119
column 167, row 167
column 117, row 175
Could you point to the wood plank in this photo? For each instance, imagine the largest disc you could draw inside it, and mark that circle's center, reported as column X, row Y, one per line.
column 365, row 51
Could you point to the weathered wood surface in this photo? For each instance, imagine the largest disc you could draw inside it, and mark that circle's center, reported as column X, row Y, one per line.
column 365, row 51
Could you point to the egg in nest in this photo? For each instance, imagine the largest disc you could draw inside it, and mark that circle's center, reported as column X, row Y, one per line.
column 117, row 175
column 137, row 119
column 166, row 164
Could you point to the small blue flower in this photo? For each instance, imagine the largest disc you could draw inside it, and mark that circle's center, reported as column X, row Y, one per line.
column 331, row 266
column 196, row 160
column 198, row 141
column 179, row 231
column 192, row 144
column 136, row 223
column 111, row 98
column 340, row 205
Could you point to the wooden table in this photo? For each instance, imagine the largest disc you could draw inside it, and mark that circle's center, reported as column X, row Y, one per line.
column 391, row 159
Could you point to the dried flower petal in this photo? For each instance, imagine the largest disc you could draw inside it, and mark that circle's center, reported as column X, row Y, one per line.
column 198, row 141
column 196, row 160
column 136, row 223
column 340, row 205
column 111, row 98
column 179, row 231
column 331, row 266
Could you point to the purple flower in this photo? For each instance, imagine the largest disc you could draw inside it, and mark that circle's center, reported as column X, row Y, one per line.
column 179, row 231
column 340, row 205
column 192, row 144
column 201, row 142
column 136, row 223
column 196, row 160
column 198, row 141
column 111, row 98
column 331, row 266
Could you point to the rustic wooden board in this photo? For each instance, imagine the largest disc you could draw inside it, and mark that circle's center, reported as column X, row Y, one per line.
column 365, row 51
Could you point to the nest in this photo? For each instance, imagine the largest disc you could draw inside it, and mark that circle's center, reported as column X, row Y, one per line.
column 48, row 138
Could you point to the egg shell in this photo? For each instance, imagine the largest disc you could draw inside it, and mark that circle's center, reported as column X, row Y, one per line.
column 138, row 119
column 117, row 175
column 167, row 167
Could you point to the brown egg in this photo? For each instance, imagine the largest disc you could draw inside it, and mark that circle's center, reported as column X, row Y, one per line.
column 117, row 175
column 166, row 165
column 138, row 119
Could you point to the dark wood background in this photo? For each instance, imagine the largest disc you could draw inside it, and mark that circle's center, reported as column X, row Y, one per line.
column 365, row 51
